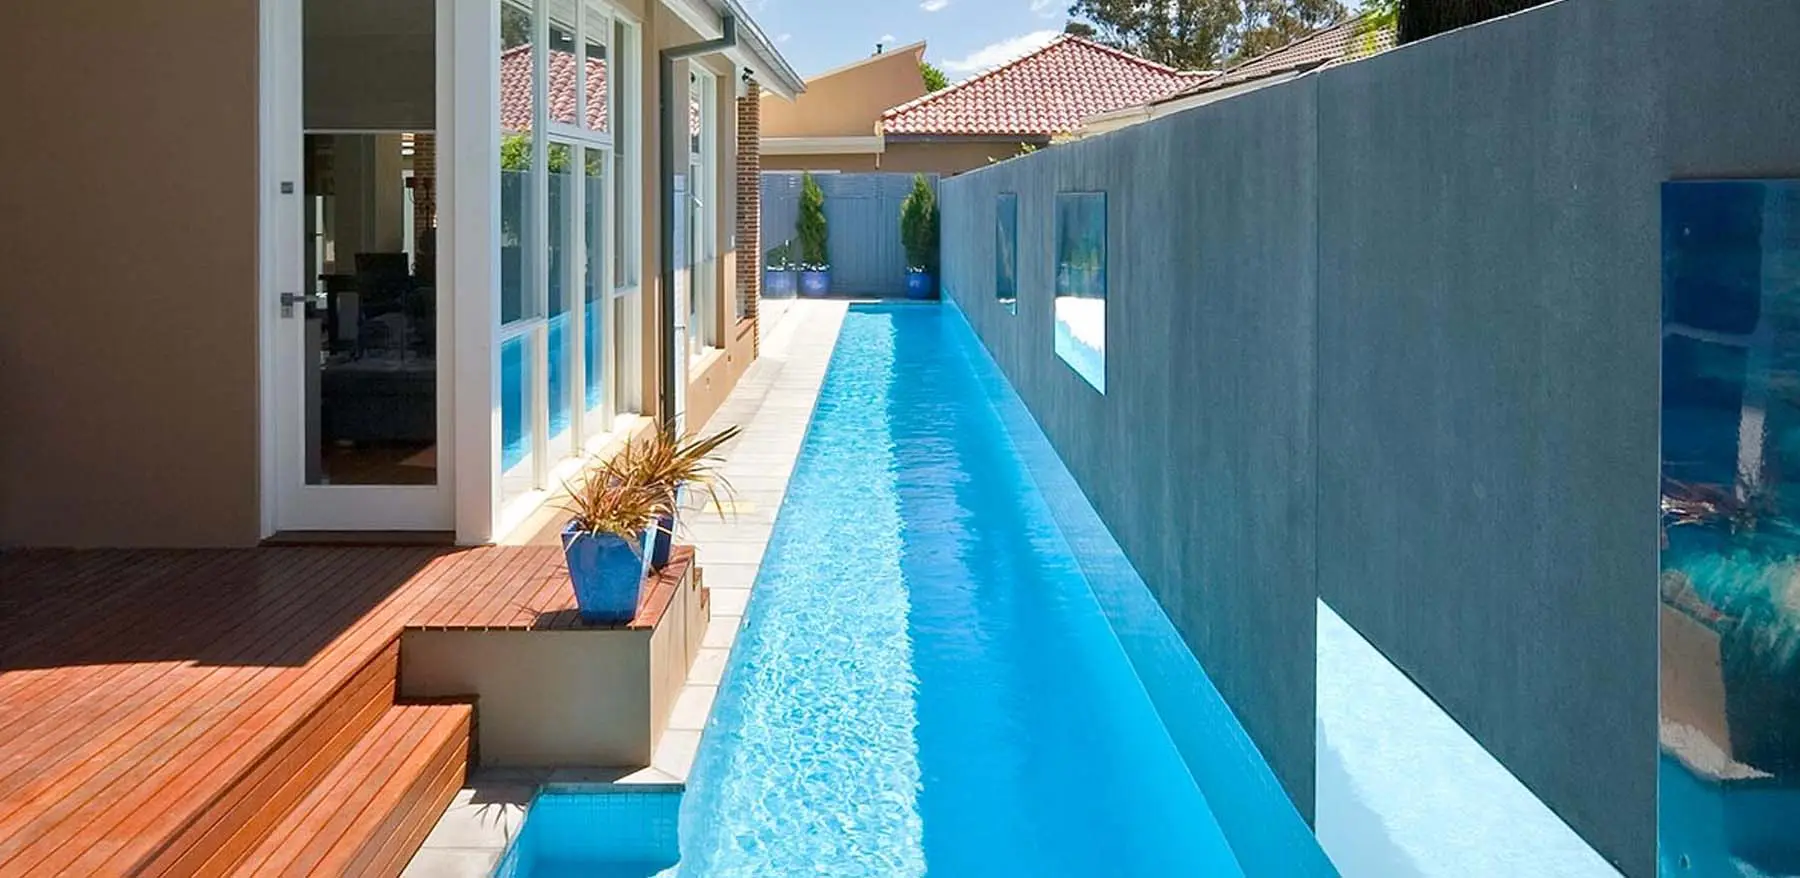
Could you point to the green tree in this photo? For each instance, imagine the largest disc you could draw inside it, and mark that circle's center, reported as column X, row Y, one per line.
column 1270, row 24
column 919, row 226
column 1080, row 29
column 1185, row 34
column 935, row 80
column 815, row 238
column 1419, row 19
column 1201, row 34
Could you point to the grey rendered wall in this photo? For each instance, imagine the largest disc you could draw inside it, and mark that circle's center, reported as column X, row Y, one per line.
column 1471, row 264
column 1200, row 455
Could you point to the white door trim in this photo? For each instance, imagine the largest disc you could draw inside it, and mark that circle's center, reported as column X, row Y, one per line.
column 288, row 503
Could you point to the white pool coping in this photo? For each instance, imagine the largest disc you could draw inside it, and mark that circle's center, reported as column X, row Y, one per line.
column 773, row 403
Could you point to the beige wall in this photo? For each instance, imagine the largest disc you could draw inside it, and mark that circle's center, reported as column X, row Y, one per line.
column 848, row 101
column 944, row 157
column 128, row 226
column 838, row 162
column 947, row 156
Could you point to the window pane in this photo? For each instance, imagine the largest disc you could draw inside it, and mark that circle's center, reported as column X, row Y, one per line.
column 561, row 90
column 561, row 242
column 1006, row 249
column 1730, row 608
column 625, row 104
column 516, row 357
column 517, row 195
column 1081, row 284
column 595, row 61
column 594, row 292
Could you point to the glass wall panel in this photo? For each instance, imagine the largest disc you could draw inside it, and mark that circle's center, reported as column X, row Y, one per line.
column 1081, row 284
column 517, row 357
column 1729, row 779
column 1006, row 250
column 594, row 292
column 564, row 344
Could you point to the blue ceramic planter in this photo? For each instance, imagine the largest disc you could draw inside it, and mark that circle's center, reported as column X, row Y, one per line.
column 919, row 285
column 780, row 283
column 815, row 283
column 607, row 572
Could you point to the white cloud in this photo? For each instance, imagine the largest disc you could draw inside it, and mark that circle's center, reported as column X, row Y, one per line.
column 886, row 39
column 784, row 38
column 935, row 5
column 1046, row 8
column 996, row 54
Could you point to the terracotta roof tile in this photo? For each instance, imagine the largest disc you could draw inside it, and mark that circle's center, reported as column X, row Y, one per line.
column 1047, row 92
column 1346, row 41
column 515, row 89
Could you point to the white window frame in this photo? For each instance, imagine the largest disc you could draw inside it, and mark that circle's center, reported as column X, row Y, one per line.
column 550, row 455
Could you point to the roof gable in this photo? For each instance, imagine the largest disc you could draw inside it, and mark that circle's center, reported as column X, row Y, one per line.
column 1047, row 92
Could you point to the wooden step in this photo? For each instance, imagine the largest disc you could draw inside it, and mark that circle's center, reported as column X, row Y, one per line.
column 242, row 812
column 370, row 812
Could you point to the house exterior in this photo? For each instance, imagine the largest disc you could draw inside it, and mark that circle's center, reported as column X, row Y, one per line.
column 349, row 265
column 1025, row 103
column 1357, row 37
column 836, row 124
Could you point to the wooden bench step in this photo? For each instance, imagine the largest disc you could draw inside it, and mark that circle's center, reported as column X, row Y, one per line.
column 368, row 815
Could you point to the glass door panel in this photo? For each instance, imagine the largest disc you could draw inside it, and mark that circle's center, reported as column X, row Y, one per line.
column 371, row 322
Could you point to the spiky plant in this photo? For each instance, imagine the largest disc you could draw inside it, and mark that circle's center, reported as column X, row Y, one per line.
column 606, row 499
column 668, row 463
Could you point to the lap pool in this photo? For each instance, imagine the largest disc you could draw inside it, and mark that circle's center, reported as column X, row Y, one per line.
column 927, row 682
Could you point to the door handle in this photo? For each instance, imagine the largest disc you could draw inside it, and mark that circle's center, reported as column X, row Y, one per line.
column 289, row 300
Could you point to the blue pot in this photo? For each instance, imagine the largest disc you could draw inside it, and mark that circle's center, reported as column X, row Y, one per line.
column 919, row 285
column 780, row 283
column 815, row 283
column 607, row 572
column 661, row 539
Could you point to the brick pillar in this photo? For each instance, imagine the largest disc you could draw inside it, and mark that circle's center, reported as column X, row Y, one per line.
column 749, row 205
column 424, row 182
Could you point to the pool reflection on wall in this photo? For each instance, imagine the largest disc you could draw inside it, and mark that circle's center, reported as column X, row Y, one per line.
column 1081, row 284
column 1729, row 781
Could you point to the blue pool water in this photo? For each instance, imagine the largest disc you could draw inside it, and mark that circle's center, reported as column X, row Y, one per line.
column 572, row 832
column 925, row 680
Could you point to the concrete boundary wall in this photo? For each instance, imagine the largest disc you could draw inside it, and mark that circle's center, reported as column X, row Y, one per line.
column 1388, row 335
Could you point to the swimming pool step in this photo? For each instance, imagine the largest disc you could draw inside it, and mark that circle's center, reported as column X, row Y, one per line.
column 372, row 810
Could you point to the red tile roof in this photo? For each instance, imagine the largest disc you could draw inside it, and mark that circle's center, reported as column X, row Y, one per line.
column 1346, row 41
column 1047, row 92
column 515, row 89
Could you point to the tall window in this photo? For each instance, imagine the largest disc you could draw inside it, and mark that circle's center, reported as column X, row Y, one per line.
column 1006, row 250
column 702, row 213
column 556, row 151
column 1080, row 313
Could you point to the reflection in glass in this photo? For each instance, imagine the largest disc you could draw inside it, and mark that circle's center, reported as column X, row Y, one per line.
column 1081, row 284
column 563, row 103
column 516, row 357
column 594, row 282
column 1729, row 786
column 372, row 328
column 594, row 60
column 1006, row 250
column 517, row 199
column 561, row 241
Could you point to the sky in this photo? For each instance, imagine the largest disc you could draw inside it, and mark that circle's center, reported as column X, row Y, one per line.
column 964, row 36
